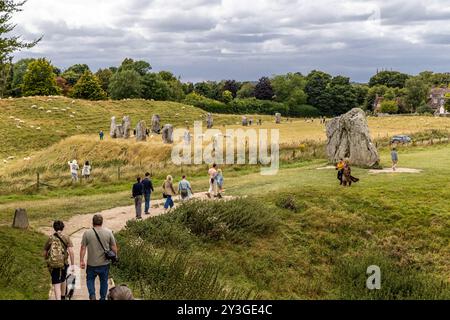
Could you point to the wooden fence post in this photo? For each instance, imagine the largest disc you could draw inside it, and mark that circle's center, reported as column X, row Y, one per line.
column 118, row 173
column 37, row 181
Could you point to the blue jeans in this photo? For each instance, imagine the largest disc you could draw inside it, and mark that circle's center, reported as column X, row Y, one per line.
column 169, row 202
column 102, row 272
column 147, row 202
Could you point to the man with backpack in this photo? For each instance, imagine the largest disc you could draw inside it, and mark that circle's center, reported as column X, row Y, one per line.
column 102, row 250
column 184, row 189
column 148, row 189
column 57, row 251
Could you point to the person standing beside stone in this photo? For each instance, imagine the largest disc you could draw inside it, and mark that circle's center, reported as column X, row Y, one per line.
column 137, row 195
column 148, row 189
column 57, row 251
column 74, row 170
column 96, row 241
column 394, row 158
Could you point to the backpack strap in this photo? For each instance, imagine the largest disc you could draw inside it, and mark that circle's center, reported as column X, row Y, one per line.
column 98, row 238
column 60, row 239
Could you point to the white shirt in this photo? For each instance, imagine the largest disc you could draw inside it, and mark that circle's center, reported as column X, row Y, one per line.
column 86, row 170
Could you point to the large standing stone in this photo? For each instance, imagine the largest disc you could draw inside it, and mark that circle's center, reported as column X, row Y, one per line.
column 112, row 131
column 209, row 121
column 167, row 134
column 156, row 126
column 126, row 127
column 277, row 118
column 20, row 219
column 119, row 131
column 141, row 131
column 349, row 137
column 244, row 121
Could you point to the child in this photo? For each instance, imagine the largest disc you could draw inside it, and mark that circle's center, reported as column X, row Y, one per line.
column 86, row 172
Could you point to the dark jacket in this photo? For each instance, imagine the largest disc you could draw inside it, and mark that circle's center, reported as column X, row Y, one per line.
column 138, row 189
column 148, row 185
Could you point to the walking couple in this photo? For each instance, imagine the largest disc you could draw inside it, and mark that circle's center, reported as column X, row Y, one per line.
column 215, row 182
column 101, row 248
column 184, row 190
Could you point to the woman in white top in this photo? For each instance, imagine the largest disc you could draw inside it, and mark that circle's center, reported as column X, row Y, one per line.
column 74, row 170
column 86, row 170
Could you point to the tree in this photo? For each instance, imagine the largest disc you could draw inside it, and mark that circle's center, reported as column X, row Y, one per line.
column 391, row 79
column 338, row 97
column 372, row 95
column 247, row 91
column 176, row 92
column 19, row 70
column 424, row 108
column 284, row 86
column 227, row 96
column 141, row 67
column 361, row 92
column 316, row 83
column 125, row 85
column 88, row 87
column 39, row 80
column 264, row 90
column 416, row 93
column 74, row 73
column 389, row 106
column 208, row 89
column 63, row 85
column 447, row 105
column 9, row 44
column 232, row 86
column 154, row 87
column 188, row 88
column 104, row 75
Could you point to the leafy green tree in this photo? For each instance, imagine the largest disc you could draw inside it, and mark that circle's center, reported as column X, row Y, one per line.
column 88, row 87
column 125, row 85
column 74, row 73
column 416, row 93
column 227, row 96
column 316, row 83
column 231, row 85
column 338, row 97
column 10, row 42
column 247, row 91
column 104, row 75
column 361, row 92
column 391, row 79
column 19, row 70
column 285, row 86
column 154, row 87
column 447, row 105
column 188, row 87
column 208, row 89
column 264, row 90
column 424, row 108
column 141, row 67
column 40, row 80
column 176, row 92
column 372, row 94
column 389, row 106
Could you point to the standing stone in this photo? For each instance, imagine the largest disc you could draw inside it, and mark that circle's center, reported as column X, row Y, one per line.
column 156, row 126
column 209, row 121
column 112, row 131
column 20, row 219
column 126, row 127
column 277, row 118
column 167, row 134
column 119, row 131
column 141, row 131
column 349, row 137
column 244, row 121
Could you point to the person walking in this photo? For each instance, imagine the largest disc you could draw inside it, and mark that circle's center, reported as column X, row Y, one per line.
column 394, row 158
column 219, row 182
column 340, row 169
column 137, row 195
column 184, row 189
column 74, row 170
column 168, row 192
column 212, row 172
column 57, row 251
column 148, row 189
column 101, row 134
column 96, row 242
column 86, row 172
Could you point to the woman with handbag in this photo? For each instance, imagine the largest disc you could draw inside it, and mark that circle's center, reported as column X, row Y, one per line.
column 168, row 192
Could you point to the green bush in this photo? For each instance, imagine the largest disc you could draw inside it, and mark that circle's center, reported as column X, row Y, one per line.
column 289, row 202
column 170, row 277
column 389, row 106
column 424, row 108
column 304, row 111
column 397, row 282
column 206, row 104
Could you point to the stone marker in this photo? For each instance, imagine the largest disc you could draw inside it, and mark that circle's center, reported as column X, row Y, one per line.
column 126, row 127
column 20, row 219
column 349, row 137
column 119, row 131
column 244, row 121
column 141, row 131
column 112, row 130
column 167, row 134
column 277, row 118
column 156, row 126
column 209, row 121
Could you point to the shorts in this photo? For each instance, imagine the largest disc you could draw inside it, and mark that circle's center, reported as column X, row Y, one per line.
column 59, row 275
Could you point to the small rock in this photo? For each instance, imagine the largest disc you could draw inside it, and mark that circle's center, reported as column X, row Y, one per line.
column 34, row 106
column 49, row 111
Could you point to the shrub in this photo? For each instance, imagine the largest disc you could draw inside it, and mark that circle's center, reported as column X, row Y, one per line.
column 389, row 106
column 88, row 87
column 290, row 203
column 305, row 111
column 206, row 104
column 424, row 108
column 40, row 80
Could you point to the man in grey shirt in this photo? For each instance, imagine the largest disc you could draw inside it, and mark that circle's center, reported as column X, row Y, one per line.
column 97, row 264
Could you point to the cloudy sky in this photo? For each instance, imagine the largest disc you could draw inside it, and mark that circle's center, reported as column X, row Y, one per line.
column 240, row 39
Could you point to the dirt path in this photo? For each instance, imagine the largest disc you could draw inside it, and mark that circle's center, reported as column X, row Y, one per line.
column 114, row 219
